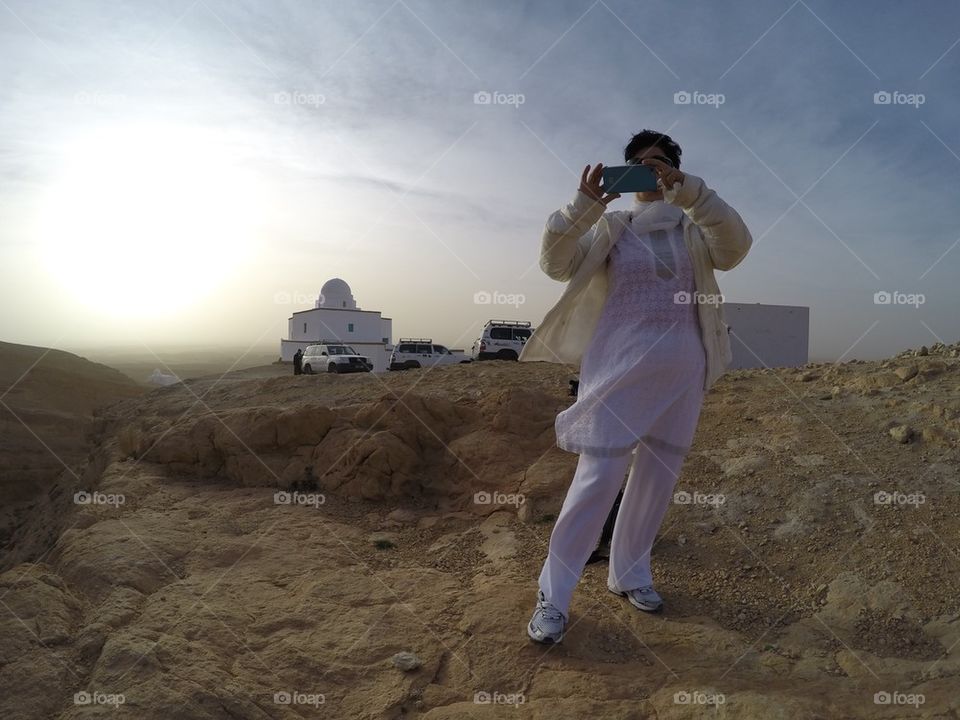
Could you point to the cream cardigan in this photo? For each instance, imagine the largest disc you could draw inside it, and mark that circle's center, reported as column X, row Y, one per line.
column 576, row 241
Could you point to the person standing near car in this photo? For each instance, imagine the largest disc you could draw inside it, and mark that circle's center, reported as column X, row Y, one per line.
column 298, row 362
column 642, row 319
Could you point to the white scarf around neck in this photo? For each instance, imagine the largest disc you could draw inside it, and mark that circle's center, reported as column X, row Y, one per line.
column 647, row 216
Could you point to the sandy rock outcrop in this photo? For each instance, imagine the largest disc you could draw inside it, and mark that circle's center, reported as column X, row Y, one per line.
column 368, row 547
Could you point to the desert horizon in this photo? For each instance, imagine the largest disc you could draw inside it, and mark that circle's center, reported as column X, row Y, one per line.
column 193, row 361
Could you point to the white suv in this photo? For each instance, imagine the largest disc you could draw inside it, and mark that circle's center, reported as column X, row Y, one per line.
column 502, row 340
column 421, row 352
column 335, row 358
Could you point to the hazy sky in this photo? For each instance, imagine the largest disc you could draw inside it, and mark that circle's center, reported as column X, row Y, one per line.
column 192, row 171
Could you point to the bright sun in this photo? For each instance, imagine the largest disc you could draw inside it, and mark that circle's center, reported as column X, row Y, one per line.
column 145, row 221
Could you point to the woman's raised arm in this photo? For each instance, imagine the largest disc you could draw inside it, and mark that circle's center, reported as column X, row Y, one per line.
column 567, row 236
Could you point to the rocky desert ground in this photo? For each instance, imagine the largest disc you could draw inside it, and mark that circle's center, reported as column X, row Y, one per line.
column 260, row 545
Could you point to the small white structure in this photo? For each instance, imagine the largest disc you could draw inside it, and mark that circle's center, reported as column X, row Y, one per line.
column 335, row 317
column 162, row 379
column 767, row 335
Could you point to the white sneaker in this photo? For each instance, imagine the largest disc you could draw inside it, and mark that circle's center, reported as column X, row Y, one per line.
column 643, row 598
column 546, row 625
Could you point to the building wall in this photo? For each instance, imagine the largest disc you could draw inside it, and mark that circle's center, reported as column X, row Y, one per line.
column 768, row 335
column 324, row 323
column 386, row 330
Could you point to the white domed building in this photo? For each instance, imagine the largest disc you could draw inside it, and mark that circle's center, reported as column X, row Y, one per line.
column 335, row 317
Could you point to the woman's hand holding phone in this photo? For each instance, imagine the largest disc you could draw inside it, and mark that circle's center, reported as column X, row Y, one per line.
column 666, row 175
column 590, row 185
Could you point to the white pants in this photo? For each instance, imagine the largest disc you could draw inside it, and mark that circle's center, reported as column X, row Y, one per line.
column 646, row 499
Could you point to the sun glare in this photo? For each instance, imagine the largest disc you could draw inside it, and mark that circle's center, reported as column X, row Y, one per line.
column 146, row 221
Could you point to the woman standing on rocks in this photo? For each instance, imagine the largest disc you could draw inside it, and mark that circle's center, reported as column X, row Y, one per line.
column 641, row 316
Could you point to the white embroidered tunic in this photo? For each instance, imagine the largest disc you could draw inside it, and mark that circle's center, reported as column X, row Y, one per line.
column 642, row 375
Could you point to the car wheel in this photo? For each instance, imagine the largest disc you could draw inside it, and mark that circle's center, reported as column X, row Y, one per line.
column 332, row 367
column 307, row 369
column 411, row 364
column 507, row 355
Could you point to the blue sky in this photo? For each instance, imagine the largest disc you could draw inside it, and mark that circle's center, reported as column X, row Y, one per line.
column 169, row 170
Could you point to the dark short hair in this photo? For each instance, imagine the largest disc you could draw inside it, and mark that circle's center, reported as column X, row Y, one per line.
column 651, row 138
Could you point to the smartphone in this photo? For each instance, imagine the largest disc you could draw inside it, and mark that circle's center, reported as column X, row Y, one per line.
column 629, row 178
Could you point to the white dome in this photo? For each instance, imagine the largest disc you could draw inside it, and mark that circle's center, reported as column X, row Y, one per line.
column 335, row 293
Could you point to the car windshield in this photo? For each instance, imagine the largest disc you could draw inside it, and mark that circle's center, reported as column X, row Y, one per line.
column 340, row 350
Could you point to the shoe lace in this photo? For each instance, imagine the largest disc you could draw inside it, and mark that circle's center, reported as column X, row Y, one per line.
column 548, row 611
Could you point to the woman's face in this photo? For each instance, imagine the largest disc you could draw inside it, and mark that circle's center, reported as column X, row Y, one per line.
column 652, row 151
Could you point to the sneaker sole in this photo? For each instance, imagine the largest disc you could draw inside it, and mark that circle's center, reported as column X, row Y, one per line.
column 645, row 608
column 542, row 641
